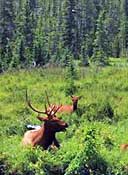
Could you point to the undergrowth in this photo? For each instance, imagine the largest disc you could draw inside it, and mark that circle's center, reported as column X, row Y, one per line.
column 91, row 144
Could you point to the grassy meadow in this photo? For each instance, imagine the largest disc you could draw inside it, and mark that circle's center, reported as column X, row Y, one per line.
column 90, row 145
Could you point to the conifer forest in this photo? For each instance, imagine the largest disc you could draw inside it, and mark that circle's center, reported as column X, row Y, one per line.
column 49, row 31
column 63, row 87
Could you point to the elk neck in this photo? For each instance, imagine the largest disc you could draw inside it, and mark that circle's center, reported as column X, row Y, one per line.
column 46, row 136
column 48, row 130
column 75, row 106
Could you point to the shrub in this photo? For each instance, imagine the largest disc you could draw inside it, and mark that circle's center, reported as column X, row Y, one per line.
column 4, row 167
column 70, row 88
column 100, row 111
column 87, row 160
column 71, row 75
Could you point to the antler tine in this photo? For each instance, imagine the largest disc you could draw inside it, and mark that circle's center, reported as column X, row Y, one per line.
column 50, row 115
column 30, row 105
column 52, row 109
column 27, row 100
column 57, row 109
column 47, row 97
column 45, row 108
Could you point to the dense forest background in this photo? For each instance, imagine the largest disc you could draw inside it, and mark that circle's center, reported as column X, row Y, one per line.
column 37, row 32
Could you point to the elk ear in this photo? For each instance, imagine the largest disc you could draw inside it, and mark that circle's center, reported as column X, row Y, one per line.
column 71, row 96
column 80, row 97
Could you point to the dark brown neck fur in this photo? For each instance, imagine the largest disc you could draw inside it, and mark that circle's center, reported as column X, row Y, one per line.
column 74, row 106
column 48, row 137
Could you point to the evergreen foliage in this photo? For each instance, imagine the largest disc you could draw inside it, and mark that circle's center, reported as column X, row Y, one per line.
column 45, row 31
column 71, row 76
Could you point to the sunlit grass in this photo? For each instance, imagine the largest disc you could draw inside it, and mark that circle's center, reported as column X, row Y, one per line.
column 98, row 87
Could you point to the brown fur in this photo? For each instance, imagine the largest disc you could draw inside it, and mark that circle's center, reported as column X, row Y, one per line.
column 68, row 108
column 124, row 146
column 45, row 136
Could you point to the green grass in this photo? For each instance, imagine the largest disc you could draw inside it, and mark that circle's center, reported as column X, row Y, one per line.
column 92, row 141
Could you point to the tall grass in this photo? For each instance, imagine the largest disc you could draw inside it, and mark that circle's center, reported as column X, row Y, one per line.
column 102, row 109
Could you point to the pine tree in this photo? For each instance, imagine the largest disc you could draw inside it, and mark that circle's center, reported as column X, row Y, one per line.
column 71, row 76
column 70, row 26
column 100, row 43
column 28, row 32
column 7, row 28
column 126, row 26
column 40, row 41
column 112, row 23
column 89, row 15
column 18, row 49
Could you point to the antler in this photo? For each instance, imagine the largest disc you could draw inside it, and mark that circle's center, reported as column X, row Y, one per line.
column 33, row 108
column 47, row 98
column 53, row 111
column 50, row 113
column 57, row 109
column 54, row 107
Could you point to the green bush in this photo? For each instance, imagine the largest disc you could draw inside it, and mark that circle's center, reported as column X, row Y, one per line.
column 87, row 161
column 91, row 143
column 70, row 88
column 100, row 111
column 4, row 167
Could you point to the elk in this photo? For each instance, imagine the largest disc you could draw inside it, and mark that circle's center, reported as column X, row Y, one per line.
column 45, row 135
column 124, row 146
column 66, row 108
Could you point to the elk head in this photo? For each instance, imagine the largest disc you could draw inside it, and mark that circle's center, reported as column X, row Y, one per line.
column 54, row 124
column 45, row 136
column 51, row 121
column 75, row 101
column 75, row 98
